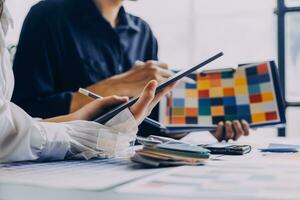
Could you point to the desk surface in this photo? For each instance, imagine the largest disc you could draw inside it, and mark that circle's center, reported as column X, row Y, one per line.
column 11, row 191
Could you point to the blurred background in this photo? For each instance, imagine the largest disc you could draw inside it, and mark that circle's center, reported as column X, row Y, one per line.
column 246, row 30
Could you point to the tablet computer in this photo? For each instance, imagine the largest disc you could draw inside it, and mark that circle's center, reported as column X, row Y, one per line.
column 119, row 108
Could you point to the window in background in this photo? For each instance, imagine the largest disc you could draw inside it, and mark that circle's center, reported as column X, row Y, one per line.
column 288, row 12
column 292, row 56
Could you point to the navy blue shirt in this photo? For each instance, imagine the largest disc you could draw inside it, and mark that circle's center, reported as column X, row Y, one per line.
column 67, row 44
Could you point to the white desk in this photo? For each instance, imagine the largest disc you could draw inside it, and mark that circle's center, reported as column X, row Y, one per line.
column 11, row 191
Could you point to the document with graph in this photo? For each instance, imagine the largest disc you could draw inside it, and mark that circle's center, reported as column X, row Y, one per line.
column 250, row 92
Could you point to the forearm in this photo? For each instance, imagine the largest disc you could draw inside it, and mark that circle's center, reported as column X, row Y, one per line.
column 63, row 118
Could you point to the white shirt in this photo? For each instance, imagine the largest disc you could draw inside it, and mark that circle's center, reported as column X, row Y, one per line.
column 25, row 138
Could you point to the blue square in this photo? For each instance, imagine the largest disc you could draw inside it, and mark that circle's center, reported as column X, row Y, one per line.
column 204, row 103
column 264, row 78
column 179, row 103
column 251, row 80
column 229, row 101
column 254, row 89
column 230, row 110
column 243, row 109
column 216, row 101
column 251, row 71
column 191, row 86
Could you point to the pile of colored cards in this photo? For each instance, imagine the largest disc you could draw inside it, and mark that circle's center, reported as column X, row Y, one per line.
column 161, row 151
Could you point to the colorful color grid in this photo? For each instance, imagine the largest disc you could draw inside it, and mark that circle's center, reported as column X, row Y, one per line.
column 245, row 93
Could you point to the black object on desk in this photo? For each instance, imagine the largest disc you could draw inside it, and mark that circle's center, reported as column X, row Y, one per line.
column 227, row 149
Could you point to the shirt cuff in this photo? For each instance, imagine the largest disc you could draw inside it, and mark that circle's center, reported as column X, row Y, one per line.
column 56, row 141
column 124, row 122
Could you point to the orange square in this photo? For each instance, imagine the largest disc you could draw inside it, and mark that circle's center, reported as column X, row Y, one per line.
column 217, row 111
column 215, row 82
column 228, row 92
column 262, row 69
column 267, row 96
column 178, row 120
column 191, row 112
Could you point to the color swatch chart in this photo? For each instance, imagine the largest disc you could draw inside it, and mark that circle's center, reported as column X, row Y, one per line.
column 245, row 93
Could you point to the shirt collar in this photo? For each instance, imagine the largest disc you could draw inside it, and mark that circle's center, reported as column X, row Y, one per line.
column 86, row 10
column 126, row 21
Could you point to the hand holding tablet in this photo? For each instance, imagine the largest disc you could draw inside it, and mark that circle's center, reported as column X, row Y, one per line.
column 114, row 111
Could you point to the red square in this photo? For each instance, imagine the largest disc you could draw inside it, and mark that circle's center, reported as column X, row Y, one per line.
column 262, row 69
column 203, row 93
column 271, row 116
column 215, row 76
column 255, row 98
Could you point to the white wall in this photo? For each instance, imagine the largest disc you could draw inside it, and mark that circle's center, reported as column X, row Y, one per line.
column 187, row 30
column 18, row 9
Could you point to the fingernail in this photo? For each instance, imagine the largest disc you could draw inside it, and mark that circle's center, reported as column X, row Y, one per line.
column 221, row 123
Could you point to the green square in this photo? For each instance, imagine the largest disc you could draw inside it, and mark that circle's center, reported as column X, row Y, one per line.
column 231, row 117
column 227, row 74
column 204, row 110
column 178, row 111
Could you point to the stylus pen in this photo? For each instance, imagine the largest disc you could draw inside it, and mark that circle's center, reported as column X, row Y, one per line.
column 95, row 96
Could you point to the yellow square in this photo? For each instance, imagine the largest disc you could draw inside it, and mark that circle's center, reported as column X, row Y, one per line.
column 240, row 82
column 258, row 117
column 240, row 90
column 217, row 111
column 191, row 93
column 216, row 92
column 267, row 96
column 203, row 84
column 239, row 74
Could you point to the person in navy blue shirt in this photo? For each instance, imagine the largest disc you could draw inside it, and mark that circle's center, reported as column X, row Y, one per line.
column 68, row 44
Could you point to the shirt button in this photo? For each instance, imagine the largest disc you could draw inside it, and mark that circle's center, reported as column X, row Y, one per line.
column 120, row 68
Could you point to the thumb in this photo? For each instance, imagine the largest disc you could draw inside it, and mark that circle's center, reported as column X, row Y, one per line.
column 147, row 96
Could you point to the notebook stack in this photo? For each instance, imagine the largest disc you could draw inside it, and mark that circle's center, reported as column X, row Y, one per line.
column 160, row 151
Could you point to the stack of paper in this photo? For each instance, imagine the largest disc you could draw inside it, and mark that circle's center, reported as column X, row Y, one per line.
column 159, row 151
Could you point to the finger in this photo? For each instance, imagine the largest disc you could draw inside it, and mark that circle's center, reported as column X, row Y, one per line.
column 237, row 129
column 228, row 131
column 165, row 73
column 162, row 93
column 161, row 65
column 138, row 63
column 219, row 131
column 145, row 99
column 111, row 100
column 245, row 127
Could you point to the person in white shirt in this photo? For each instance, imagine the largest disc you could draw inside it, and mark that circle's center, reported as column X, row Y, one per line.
column 24, row 138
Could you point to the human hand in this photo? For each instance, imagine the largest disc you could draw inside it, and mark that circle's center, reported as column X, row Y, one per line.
column 148, row 100
column 96, row 107
column 132, row 82
column 233, row 130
